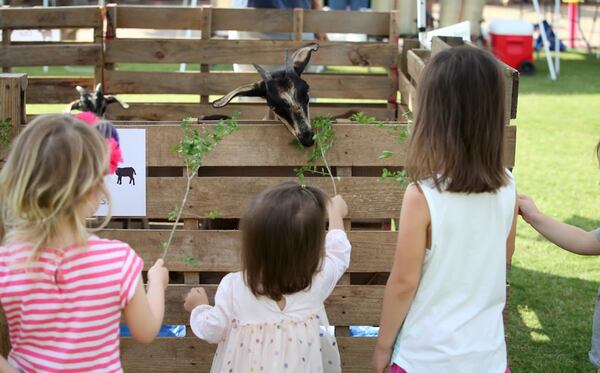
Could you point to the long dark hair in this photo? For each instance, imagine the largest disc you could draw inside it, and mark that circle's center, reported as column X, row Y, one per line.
column 283, row 234
column 458, row 134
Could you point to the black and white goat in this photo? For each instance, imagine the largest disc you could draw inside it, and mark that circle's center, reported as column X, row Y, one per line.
column 287, row 94
column 95, row 102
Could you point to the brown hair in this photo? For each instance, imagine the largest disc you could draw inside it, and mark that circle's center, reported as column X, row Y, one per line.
column 458, row 134
column 283, row 234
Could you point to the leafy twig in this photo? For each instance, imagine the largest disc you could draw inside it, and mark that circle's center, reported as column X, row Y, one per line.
column 194, row 145
column 5, row 131
column 324, row 135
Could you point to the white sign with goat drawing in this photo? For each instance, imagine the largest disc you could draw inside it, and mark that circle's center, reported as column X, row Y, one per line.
column 127, row 186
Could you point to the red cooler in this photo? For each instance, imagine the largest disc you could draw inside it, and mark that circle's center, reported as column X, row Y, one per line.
column 512, row 42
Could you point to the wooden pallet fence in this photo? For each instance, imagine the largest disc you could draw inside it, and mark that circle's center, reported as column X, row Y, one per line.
column 380, row 89
column 414, row 57
column 23, row 54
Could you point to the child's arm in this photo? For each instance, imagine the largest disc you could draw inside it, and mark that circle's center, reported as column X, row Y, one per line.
column 210, row 323
column 566, row 236
column 510, row 241
column 5, row 367
column 406, row 273
column 337, row 249
column 144, row 313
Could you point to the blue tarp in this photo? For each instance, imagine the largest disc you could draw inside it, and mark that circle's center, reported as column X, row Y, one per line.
column 165, row 331
column 539, row 44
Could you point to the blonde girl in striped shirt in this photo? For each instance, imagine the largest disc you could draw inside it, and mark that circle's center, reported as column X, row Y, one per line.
column 63, row 289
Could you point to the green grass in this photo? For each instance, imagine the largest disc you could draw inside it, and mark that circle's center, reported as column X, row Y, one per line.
column 553, row 292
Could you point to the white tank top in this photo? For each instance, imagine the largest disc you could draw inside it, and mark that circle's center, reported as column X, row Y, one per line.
column 454, row 324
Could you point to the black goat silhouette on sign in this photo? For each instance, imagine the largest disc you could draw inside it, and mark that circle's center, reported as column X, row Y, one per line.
column 125, row 171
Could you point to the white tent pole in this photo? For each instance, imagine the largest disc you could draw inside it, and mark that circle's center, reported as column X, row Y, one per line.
column 536, row 5
column 556, row 38
column 421, row 20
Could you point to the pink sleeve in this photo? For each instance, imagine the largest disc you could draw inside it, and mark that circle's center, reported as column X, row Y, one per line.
column 131, row 270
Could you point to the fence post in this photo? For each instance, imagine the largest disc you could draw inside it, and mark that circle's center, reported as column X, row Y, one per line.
column 12, row 108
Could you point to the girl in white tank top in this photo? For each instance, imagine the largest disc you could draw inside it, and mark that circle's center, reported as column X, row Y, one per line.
column 442, row 308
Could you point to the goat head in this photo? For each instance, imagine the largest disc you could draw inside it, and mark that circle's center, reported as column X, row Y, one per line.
column 95, row 102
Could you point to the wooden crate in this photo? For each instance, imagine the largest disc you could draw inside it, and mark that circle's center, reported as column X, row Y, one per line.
column 22, row 54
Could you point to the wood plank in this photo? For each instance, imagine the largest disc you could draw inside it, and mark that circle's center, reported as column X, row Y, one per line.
column 416, row 61
column 321, row 85
column 244, row 52
column 59, row 17
column 371, row 23
column 354, row 145
column 192, row 355
column 255, row 20
column 218, row 251
column 175, row 111
column 56, row 90
column 12, row 108
column 48, row 55
column 408, row 44
column 347, row 305
column 155, row 17
column 370, row 198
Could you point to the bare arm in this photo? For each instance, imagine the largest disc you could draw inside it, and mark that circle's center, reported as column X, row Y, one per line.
column 5, row 367
column 316, row 4
column 336, row 211
column 568, row 237
column 144, row 313
column 510, row 241
column 406, row 273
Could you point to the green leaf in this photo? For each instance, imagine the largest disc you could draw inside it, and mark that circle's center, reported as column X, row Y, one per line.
column 385, row 154
column 172, row 216
column 214, row 214
column 191, row 260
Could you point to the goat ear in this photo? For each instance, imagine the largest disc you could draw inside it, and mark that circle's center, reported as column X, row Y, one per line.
column 99, row 91
column 249, row 90
column 301, row 57
column 81, row 90
column 110, row 99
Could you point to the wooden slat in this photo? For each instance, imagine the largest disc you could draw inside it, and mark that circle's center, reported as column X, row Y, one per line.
column 256, row 20
column 218, row 251
column 371, row 23
column 354, row 145
column 59, row 17
column 416, row 60
column 174, row 111
column 48, row 55
column 321, row 85
column 59, row 90
column 244, row 52
column 408, row 44
column 192, row 355
column 408, row 92
column 155, row 17
column 370, row 198
column 347, row 305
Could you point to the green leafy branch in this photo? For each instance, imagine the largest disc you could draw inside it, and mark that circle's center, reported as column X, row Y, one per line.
column 5, row 131
column 324, row 136
column 195, row 144
column 400, row 133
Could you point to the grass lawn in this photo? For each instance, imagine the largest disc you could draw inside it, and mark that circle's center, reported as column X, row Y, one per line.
column 553, row 292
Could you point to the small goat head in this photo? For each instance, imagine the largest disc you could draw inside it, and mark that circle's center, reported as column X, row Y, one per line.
column 286, row 93
column 95, row 102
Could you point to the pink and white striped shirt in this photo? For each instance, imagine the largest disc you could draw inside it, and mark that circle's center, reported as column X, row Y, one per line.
column 64, row 310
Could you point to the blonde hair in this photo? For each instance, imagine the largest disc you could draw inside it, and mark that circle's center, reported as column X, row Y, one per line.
column 52, row 167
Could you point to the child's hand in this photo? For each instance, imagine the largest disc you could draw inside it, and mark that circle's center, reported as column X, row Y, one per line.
column 381, row 358
column 527, row 209
column 196, row 297
column 158, row 274
column 338, row 206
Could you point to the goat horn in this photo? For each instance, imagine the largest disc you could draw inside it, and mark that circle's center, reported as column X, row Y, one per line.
column 289, row 66
column 263, row 73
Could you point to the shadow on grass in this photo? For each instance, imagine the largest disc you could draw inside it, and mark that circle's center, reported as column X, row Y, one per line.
column 583, row 222
column 578, row 75
column 550, row 323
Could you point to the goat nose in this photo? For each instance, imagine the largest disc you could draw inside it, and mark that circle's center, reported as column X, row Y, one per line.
column 306, row 138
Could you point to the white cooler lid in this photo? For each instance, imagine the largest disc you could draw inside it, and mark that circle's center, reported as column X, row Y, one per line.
column 511, row 27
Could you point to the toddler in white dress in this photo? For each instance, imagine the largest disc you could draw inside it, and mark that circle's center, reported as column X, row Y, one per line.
column 270, row 317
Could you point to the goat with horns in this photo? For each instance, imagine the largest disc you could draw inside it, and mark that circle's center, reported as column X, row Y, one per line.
column 95, row 102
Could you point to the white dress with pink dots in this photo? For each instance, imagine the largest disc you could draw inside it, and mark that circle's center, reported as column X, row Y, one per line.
column 254, row 335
